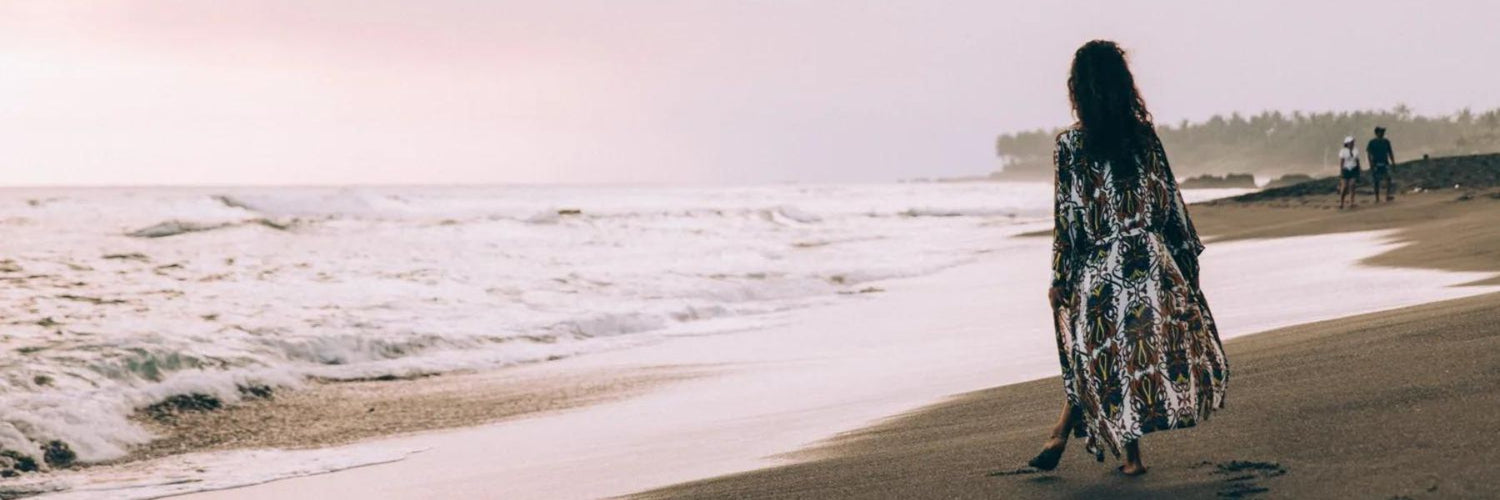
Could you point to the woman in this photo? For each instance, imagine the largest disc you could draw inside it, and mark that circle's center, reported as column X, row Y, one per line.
column 1138, row 346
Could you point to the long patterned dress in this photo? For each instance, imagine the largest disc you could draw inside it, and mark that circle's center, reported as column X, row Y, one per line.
column 1138, row 347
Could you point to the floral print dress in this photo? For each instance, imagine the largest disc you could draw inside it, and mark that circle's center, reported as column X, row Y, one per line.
column 1138, row 347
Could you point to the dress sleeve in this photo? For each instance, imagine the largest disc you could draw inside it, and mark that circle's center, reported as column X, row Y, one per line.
column 1177, row 227
column 1067, row 229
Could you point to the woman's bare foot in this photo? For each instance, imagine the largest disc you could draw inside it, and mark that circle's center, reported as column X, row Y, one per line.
column 1050, row 455
column 1052, row 452
column 1134, row 466
column 1133, row 469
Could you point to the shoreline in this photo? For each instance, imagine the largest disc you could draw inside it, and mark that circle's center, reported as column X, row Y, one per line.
column 325, row 427
column 1450, row 230
column 716, row 414
column 339, row 413
column 1307, row 418
column 1312, row 440
column 638, row 384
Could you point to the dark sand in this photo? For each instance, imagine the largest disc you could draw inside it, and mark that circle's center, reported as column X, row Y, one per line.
column 1451, row 229
column 1395, row 404
column 1454, row 230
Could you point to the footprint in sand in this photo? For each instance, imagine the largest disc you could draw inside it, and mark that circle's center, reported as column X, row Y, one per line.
column 1043, row 478
column 1017, row 472
column 1242, row 476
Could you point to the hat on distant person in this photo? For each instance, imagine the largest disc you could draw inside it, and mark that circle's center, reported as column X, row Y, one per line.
column 1349, row 139
column 1379, row 129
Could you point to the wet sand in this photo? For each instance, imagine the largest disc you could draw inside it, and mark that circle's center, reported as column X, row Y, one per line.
column 1393, row 404
column 1396, row 404
column 1452, row 230
column 330, row 414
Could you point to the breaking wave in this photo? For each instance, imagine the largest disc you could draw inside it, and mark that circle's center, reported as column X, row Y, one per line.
column 123, row 299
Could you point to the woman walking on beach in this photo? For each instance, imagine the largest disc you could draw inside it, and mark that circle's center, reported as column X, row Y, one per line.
column 1138, row 347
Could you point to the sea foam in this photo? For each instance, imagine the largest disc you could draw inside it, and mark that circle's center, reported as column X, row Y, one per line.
column 118, row 299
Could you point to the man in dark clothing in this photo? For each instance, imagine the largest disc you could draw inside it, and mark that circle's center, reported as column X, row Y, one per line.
column 1381, row 158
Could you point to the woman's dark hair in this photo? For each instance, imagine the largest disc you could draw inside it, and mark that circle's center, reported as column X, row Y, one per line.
column 1111, row 114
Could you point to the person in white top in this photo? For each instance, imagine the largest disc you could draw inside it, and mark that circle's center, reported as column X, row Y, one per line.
column 1348, row 171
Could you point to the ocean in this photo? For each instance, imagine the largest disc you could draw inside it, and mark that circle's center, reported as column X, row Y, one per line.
column 821, row 307
column 119, row 298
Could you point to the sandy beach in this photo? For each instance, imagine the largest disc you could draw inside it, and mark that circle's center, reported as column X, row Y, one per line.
column 1393, row 404
column 259, row 250
column 768, row 400
column 787, row 403
column 993, row 430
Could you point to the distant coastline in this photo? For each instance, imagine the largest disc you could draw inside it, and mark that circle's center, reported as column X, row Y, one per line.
column 1274, row 143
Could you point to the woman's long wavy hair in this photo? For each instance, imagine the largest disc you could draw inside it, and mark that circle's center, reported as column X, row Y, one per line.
column 1111, row 114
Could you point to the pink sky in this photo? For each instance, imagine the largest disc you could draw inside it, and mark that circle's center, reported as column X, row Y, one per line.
column 697, row 91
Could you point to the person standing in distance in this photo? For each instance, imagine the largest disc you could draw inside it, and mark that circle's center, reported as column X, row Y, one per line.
column 1348, row 171
column 1381, row 158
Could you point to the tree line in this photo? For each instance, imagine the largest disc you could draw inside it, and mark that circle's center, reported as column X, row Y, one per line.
column 1274, row 143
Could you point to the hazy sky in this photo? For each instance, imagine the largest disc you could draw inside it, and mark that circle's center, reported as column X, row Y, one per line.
column 697, row 91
